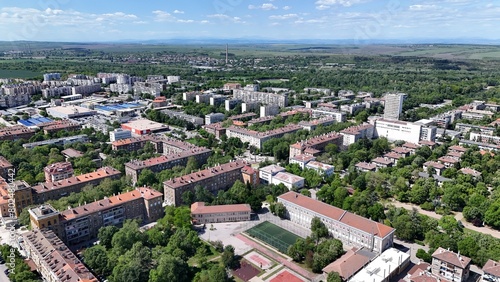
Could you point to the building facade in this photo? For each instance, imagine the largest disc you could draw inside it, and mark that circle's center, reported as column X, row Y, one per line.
column 16, row 132
column 315, row 145
column 82, row 223
column 351, row 229
column 213, row 179
column 280, row 99
column 257, row 139
column 449, row 265
column 393, row 105
column 58, row 171
column 201, row 214
column 491, row 271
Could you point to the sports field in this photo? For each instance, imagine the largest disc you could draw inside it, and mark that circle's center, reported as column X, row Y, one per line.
column 273, row 235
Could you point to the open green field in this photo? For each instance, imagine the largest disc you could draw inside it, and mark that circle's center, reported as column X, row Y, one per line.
column 18, row 74
column 273, row 235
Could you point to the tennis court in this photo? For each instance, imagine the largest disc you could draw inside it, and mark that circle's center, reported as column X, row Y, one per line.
column 273, row 235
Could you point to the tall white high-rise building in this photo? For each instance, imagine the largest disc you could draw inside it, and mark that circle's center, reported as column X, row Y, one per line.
column 393, row 105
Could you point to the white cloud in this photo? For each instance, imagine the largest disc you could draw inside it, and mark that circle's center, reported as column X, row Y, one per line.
column 325, row 4
column 265, row 7
column 286, row 8
column 422, row 7
column 178, row 12
column 226, row 18
column 283, row 17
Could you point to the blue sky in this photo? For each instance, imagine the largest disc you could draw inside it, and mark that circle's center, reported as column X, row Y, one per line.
column 91, row 20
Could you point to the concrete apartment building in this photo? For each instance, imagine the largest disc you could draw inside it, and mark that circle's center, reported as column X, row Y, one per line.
column 213, row 179
column 313, row 124
column 450, row 266
column 216, row 129
column 58, row 141
column 323, row 111
column 279, row 99
column 5, row 168
column 353, row 134
column 214, row 117
column 82, row 223
column 257, row 139
column 351, row 229
column 62, row 188
column 315, row 145
column 181, row 115
column 168, row 161
column 58, row 125
column 491, row 271
column 393, row 105
column 162, row 144
column 464, row 128
column 16, row 132
column 58, row 171
column 201, row 214
column 269, row 110
column 53, row 259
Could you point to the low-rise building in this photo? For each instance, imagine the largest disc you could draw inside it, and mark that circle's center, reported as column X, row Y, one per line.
column 140, row 127
column 58, row 141
column 57, row 171
column 159, row 102
column 491, row 271
column 470, row 171
column 266, row 173
column 302, row 160
column 348, row 264
column 213, row 179
column 438, row 167
column 384, row 267
column 321, row 168
column 202, row 214
column 449, row 265
column 381, row 162
column 58, row 125
column 119, row 134
column 394, row 157
column 351, row 229
column 291, row 181
column 352, row 134
column 365, row 167
column 53, row 259
column 67, row 112
column 448, row 161
column 216, row 129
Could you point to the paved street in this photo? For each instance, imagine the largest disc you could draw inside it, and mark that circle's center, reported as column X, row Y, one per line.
column 3, row 277
column 458, row 216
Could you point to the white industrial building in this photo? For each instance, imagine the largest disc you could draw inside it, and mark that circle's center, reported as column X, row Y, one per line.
column 389, row 264
column 119, row 134
column 66, row 112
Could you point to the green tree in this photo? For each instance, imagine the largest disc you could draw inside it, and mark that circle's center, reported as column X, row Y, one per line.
column 105, row 235
column 333, row 277
column 146, row 178
column 227, row 257
column 318, row 229
column 127, row 236
column 97, row 259
column 169, row 269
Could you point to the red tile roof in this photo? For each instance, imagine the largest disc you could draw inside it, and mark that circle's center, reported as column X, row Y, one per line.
column 200, row 208
column 451, row 257
column 137, row 164
column 143, row 192
column 4, row 163
column 457, row 148
column 350, row 219
column 380, row 160
column 366, row 166
column 434, row 164
column 492, row 267
column 447, row 159
column 348, row 264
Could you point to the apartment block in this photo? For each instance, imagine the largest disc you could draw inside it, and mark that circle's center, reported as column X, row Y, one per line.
column 162, row 144
column 353, row 134
column 201, row 214
column 16, row 132
column 321, row 168
column 62, row 188
column 257, row 139
column 324, row 111
column 250, row 175
column 464, row 128
column 214, row 117
column 53, row 259
column 57, row 141
column 213, row 179
column 168, row 161
column 351, row 229
column 315, row 145
column 313, row 124
column 58, row 171
column 449, row 265
column 181, row 115
column 216, row 129
column 82, row 223
column 5, row 168
column 280, row 99
column 231, row 104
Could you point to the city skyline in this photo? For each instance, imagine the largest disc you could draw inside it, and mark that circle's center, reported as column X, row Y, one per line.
column 363, row 20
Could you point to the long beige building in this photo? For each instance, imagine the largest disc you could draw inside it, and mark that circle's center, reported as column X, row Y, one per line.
column 201, row 214
column 213, row 179
column 351, row 229
column 315, row 145
column 53, row 259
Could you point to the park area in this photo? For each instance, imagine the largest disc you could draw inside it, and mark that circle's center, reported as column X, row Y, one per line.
column 273, row 235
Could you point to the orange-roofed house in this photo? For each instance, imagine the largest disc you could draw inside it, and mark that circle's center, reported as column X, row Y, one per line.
column 351, row 229
column 201, row 214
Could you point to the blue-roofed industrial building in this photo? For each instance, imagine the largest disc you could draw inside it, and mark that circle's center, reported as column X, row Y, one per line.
column 33, row 122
